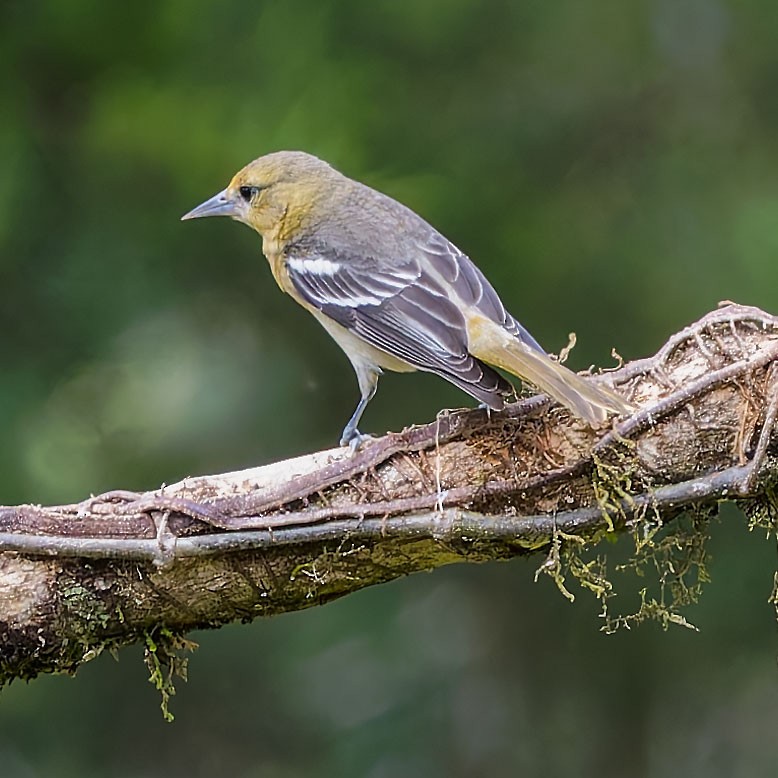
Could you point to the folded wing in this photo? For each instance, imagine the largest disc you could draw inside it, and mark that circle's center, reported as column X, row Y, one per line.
column 399, row 308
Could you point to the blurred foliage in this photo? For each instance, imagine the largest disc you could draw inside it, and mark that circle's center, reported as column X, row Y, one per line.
column 612, row 167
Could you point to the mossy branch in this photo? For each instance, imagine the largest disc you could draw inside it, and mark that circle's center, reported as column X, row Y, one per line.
column 125, row 567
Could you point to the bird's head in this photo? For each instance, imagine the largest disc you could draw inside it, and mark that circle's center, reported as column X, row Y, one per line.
column 273, row 194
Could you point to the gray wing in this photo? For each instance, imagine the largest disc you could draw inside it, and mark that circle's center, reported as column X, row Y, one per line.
column 401, row 309
column 472, row 286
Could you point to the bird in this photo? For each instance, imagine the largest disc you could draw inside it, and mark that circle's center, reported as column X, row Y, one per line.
column 391, row 290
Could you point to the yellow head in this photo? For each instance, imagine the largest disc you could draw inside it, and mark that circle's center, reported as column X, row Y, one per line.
column 273, row 194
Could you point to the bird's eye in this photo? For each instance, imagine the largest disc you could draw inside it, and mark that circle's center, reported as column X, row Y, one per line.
column 247, row 192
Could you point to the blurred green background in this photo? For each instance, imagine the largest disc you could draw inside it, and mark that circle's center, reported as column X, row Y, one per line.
column 613, row 167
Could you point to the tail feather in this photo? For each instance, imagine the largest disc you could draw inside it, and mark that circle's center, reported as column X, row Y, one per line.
column 594, row 404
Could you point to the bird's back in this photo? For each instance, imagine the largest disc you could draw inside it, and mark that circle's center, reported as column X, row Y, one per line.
column 373, row 230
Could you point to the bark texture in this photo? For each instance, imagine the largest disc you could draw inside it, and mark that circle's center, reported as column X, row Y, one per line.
column 470, row 487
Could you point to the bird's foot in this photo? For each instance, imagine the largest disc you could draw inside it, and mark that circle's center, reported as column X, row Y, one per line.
column 487, row 408
column 354, row 439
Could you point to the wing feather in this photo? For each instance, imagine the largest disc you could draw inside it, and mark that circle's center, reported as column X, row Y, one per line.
column 472, row 286
column 402, row 311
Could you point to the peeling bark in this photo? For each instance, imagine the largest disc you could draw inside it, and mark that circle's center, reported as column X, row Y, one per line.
column 470, row 487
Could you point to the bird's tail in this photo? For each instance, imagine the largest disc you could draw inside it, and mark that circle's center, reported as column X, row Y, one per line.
column 591, row 402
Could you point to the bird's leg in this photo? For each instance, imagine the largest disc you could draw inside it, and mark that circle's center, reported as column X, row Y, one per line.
column 351, row 436
column 367, row 375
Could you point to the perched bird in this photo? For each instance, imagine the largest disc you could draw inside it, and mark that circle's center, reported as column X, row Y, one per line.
column 389, row 288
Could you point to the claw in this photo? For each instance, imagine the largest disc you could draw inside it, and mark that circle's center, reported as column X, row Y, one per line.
column 354, row 439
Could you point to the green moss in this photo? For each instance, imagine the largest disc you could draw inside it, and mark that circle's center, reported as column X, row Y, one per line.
column 669, row 561
column 613, row 487
column 87, row 611
column 165, row 662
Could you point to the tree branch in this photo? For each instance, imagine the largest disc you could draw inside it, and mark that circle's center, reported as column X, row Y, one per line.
column 119, row 567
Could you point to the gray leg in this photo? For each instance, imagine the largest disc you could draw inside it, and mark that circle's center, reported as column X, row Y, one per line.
column 367, row 375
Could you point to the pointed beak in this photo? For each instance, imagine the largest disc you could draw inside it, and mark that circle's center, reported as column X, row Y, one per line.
column 220, row 204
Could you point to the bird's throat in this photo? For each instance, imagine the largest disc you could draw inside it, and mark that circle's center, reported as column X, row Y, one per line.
column 272, row 248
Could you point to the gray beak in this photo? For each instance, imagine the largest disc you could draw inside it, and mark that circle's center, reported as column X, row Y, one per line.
column 219, row 205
